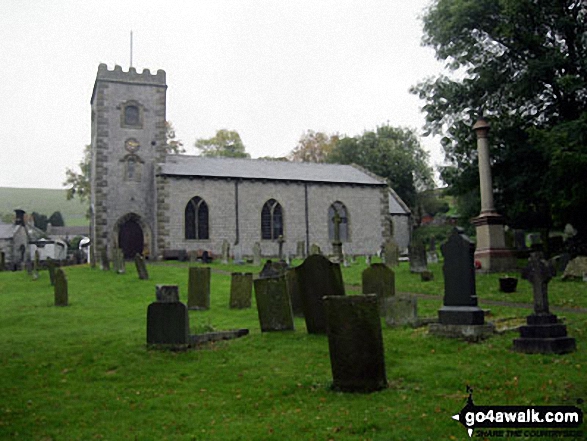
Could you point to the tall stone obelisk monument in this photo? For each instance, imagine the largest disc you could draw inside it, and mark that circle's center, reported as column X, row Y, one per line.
column 491, row 250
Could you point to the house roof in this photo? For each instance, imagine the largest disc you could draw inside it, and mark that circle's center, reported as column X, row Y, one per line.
column 397, row 205
column 69, row 231
column 183, row 165
column 7, row 230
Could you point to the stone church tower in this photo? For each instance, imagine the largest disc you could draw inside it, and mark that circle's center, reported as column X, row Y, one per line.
column 128, row 140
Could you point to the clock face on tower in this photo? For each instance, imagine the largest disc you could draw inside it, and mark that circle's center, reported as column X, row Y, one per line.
column 131, row 145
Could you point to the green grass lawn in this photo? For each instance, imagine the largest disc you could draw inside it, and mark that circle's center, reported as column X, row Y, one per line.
column 83, row 372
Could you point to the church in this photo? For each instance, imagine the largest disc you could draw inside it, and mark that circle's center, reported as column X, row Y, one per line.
column 147, row 201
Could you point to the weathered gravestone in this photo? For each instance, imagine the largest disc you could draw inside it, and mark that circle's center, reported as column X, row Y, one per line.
column 293, row 288
column 273, row 304
column 36, row 265
column 401, row 310
column 225, row 251
column 280, row 242
column 104, row 262
column 390, row 253
column 238, row 254
column 273, row 269
column 355, row 343
column 368, row 259
column 167, row 319
column 60, row 288
column 417, row 255
column 379, row 279
column 460, row 316
column 318, row 277
column 51, row 265
column 576, row 268
column 199, row 288
column 241, row 290
column 257, row 254
column 301, row 250
column 432, row 254
column 141, row 267
column 543, row 334
column 2, row 261
column 315, row 249
column 118, row 261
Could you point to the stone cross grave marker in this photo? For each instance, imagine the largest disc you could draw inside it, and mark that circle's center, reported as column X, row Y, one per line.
column 543, row 333
column 141, row 267
column 199, row 288
column 257, row 254
column 60, row 288
column 337, row 243
column 241, row 289
column 318, row 277
column 167, row 319
column 273, row 304
column 355, row 343
column 390, row 253
column 417, row 254
column 378, row 279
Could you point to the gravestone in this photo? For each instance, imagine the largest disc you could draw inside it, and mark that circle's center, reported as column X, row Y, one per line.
column 293, row 288
column 417, row 255
column 379, row 279
column 318, row 277
column 241, row 290
column 119, row 264
column 2, row 261
column 141, row 267
column 199, row 288
column 225, row 251
column 104, row 262
column 460, row 316
column 315, row 249
column 60, row 289
column 368, row 259
column 238, row 255
column 273, row 269
column 273, row 304
column 257, row 254
column 301, row 249
column 401, row 310
column 336, row 242
column 280, row 242
column 51, row 268
column 390, row 253
column 355, row 343
column 36, row 266
column 167, row 319
column 432, row 254
column 576, row 268
column 543, row 333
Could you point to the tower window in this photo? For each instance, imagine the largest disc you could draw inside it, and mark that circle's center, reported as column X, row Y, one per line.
column 131, row 115
column 271, row 220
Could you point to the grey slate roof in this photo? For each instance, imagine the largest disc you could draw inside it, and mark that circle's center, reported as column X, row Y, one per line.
column 183, row 165
column 396, row 204
column 7, row 230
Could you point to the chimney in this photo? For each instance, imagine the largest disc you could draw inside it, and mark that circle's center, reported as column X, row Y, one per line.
column 19, row 220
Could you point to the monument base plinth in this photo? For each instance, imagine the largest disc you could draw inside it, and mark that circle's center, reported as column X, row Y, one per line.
column 491, row 251
column 465, row 332
column 544, row 334
column 461, row 315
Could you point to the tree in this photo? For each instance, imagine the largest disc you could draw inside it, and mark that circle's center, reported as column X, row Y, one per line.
column 40, row 220
column 392, row 153
column 172, row 145
column 523, row 63
column 56, row 219
column 79, row 183
column 314, row 147
column 225, row 143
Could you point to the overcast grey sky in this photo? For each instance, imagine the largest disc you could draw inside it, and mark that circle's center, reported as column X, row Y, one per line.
column 269, row 69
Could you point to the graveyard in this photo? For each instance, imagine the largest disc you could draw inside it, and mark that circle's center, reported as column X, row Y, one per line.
column 83, row 370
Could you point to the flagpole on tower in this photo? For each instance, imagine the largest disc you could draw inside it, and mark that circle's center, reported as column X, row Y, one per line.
column 131, row 48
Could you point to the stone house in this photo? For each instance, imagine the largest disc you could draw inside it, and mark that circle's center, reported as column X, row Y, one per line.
column 144, row 200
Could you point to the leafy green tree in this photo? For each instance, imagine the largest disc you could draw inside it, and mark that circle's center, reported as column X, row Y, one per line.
column 173, row 146
column 523, row 64
column 225, row 143
column 392, row 153
column 314, row 147
column 40, row 220
column 79, row 182
column 56, row 219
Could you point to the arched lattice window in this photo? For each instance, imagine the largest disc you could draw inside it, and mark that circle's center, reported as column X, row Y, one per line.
column 131, row 115
column 196, row 219
column 271, row 220
column 338, row 207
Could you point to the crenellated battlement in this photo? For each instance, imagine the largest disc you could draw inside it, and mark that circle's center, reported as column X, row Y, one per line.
column 132, row 76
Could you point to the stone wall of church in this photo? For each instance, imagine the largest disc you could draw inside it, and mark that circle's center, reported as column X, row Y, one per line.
column 366, row 207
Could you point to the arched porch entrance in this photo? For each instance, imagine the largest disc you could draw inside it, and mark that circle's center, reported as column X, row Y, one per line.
column 132, row 235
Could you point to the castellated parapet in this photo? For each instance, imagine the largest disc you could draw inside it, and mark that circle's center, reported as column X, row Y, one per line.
column 117, row 74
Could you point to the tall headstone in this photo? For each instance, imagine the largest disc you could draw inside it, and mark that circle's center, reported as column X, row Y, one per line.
column 355, row 343
column 238, row 254
column 337, row 243
column 543, row 333
column 460, row 316
column 199, row 288
column 118, row 260
column 51, row 265
column 257, row 254
column 293, row 288
column 417, row 254
column 167, row 319
column 390, row 253
column 301, row 249
column 2, row 261
column 225, row 251
column 379, row 279
column 104, row 261
column 273, row 304
column 318, row 277
column 491, row 252
column 141, row 267
column 60, row 289
column 241, row 290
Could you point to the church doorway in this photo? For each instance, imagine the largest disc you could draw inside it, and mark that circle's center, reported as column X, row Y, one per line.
column 130, row 238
